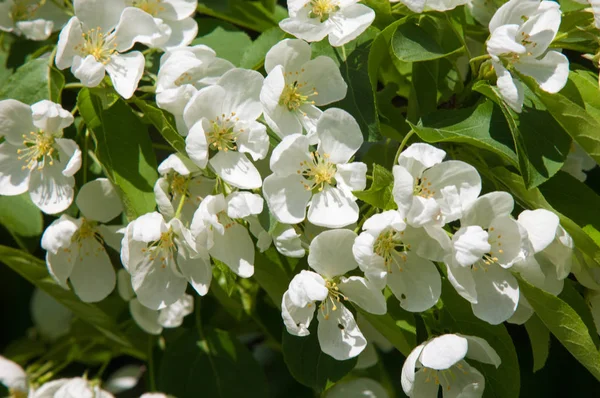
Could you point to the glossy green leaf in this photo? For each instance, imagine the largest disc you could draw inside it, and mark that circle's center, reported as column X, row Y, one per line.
column 566, row 325
column 215, row 364
column 397, row 326
column 254, row 56
column 164, row 123
column 20, row 216
column 124, row 149
column 272, row 271
column 228, row 44
column 34, row 270
column 379, row 194
column 308, row 364
column 482, row 126
column 429, row 39
column 575, row 300
column 539, row 337
column 33, row 82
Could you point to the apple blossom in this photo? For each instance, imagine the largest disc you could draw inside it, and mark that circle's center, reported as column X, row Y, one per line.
column 223, row 129
column 34, row 19
column 521, row 33
column 96, row 39
column 331, row 257
column 75, row 247
column 296, row 85
column 439, row 362
column 34, row 157
column 183, row 71
column 341, row 20
column 323, row 179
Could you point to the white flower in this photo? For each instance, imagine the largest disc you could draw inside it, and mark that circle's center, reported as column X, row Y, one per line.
column 75, row 247
column 150, row 320
column 432, row 5
column 67, row 388
column 323, row 179
column 95, row 40
column 296, row 85
column 341, row 20
column 361, row 387
column 52, row 320
column 331, row 257
column 223, row 129
column 174, row 19
column 577, row 162
column 549, row 251
column 429, row 191
column 179, row 179
column 34, row 19
column 162, row 257
column 288, row 241
column 440, row 363
column 34, row 157
column 183, row 71
column 487, row 244
column 388, row 253
column 216, row 224
column 15, row 379
column 521, row 32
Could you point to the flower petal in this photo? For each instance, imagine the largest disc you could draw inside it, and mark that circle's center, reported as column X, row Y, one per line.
column 98, row 200
column 497, row 294
column 296, row 319
column 13, row 376
column 332, row 208
column 510, row 88
column 350, row 22
column 240, row 258
column 470, row 244
column 99, row 14
column 14, row 177
column 339, row 336
column 89, row 71
column 480, row 350
column 339, row 134
column 487, row 207
column 146, row 318
column 136, row 26
column 551, row 72
column 419, row 157
column 236, row 169
column 444, row 351
column 415, row 282
column 290, row 155
column 50, row 190
column 286, row 197
column 322, row 75
column 50, row 117
column 361, row 292
column 15, row 120
column 408, row 370
column 330, row 253
column 93, row 277
column 242, row 89
column 282, row 121
column 291, row 54
column 125, row 71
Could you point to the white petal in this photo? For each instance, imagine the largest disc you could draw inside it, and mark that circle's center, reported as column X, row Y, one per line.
column 93, row 276
column 15, row 120
column 339, row 135
column 123, row 379
column 236, row 169
column 290, row 154
column 487, row 207
column 182, row 33
column 51, row 319
column 124, row 287
column 156, row 286
column 403, row 189
column 551, row 72
column 58, row 234
column 286, row 197
column 14, row 179
column 125, row 71
column 103, row 14
column 497, row 294
column 481, row 351
column 462, row 280
column 146, row 318
column 240, row 258
column 306, row 28
column 332, row 208
column 50, row 190
column 470, row 244
column 415, row 282
column 468, row 382
column 68, row 149
column 430, row 242
column 174, row 163
column 196, row 145
column 296, row 319
column 408, row 370
column 242, row 89
column 420, row 156
column 281, row 120
column 351, row 176
column 253, row 139
column 372, row 264
column 50, row 117
column 455, row 173
column 307, row 287
column 378, row 222
column 511, row 89
column 444, row 351
column 513, row 12
column 339, row 336
column 292, row 54
column 323, row 76
column 287, row 241
column 97, row 200
column 243, row 204
column 13, row 376
column 172, row 316
column 198, row 271
column 541, row 28
column 330, row 253
column 364, row 294
column 503, row 41
column 70, row 37
column 148, row 227
column 350, row 21
column 541, row 226
column 423, row 211
column 506, row 241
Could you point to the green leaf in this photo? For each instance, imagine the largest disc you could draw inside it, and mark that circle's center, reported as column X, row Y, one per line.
column 576, row 118
column 124, row 149
column 379, row 193
column 539, row 337
column 229, row 45
column 34, row 270
column 360, row 99
column 482, row 126
column 397, row 326
column 272, row 271
column 308, row 364
column 20, row 216
column 33, row 82
column 254, row 56
column 423, row 90
column 383, row 12
column 430, row 38
column 214, row 365
column 164, row 123
column 542, row 144
column 565, row 324
column 245, row 13
column 571, row 296
column 457, row 316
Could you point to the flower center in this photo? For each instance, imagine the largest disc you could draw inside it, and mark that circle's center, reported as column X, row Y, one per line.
column 445, row 376
column 292, row 96
column 164, row 248
column 152, row 7
column 87, row 230
column 179, row 184
column 318, row 172
column 495, row 240
column 334, row 297
column 97, row 44
column 388, row 243
column 39, row 147
column 322, row 9
column 423, row 188
column 223, row 136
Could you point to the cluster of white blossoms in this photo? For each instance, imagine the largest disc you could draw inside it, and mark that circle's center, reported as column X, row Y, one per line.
column 267, row 148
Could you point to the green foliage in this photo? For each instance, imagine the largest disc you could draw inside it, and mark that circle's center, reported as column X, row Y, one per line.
column 379, row 194
column 34, row 81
